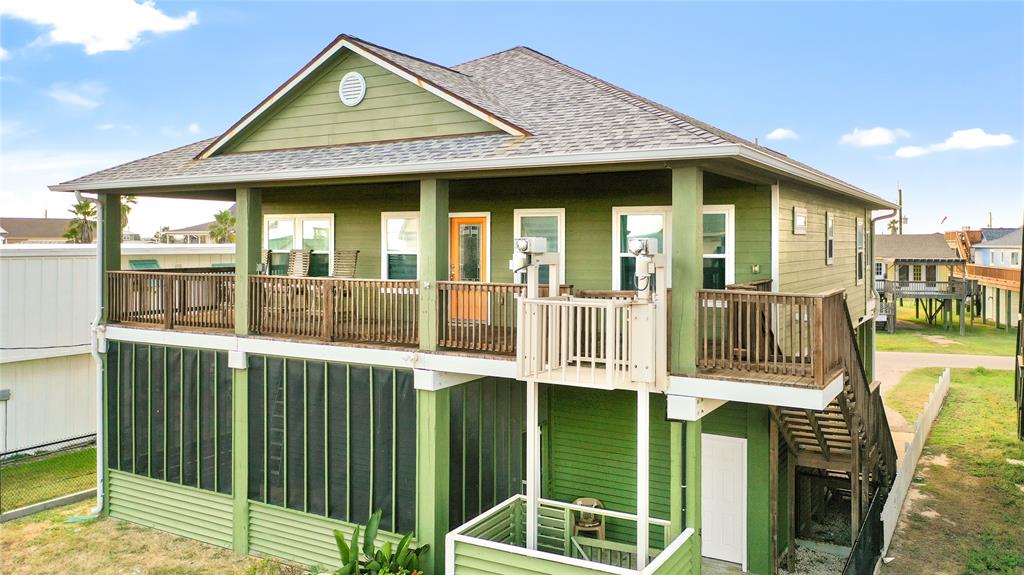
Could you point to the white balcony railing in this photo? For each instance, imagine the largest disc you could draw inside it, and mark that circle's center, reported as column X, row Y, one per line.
column 604, row 343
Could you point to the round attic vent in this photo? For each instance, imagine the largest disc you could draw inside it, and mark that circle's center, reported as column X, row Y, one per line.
column 352, row 88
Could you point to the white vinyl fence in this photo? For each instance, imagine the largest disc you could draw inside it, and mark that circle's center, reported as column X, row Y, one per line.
column 911, row 455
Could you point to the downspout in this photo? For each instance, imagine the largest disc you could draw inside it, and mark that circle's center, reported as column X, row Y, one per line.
column 97, row 329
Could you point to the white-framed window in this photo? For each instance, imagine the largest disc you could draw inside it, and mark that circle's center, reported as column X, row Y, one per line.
column 879, row 270
column 916, row 272
column 638, row 222
column 547, row 223
column 399, row 245
column 283, row 233
column 718, row 246
column 1014, row 258
column 860, row 251
column 830, row 238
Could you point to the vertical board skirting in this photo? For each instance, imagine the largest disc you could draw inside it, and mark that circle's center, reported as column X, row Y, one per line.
column 182, row 510
column 300, row 537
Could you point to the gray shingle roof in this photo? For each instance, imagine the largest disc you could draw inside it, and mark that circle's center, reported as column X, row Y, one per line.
column 1010, row 239
column 35, row 227
column 912, row 247
column 564, row 111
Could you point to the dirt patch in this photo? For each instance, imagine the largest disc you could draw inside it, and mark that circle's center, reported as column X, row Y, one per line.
column 811, row 562
column 941, row 340
column 941, row 459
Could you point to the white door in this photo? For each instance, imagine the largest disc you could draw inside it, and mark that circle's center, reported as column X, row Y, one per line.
column 724, row 498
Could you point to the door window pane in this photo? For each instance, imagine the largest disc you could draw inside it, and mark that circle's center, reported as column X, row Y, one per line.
column 469, row 252
column 315, row 235
column 541, row 227
column 280, row 234
column 714, row 234
column 633, row 226
column 401, row 245
column 714, row 273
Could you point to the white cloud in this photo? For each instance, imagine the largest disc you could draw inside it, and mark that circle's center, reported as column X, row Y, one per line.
column 84, row 95
column 782, row 134
column 869, row 137
column 98, row 25
column 193, row 128
column 971, row 139
column 4, row 54
column 911, row 151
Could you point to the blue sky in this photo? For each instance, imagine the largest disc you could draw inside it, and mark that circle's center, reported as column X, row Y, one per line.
column 944, row 82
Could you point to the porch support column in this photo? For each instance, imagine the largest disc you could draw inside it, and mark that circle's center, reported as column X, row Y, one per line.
column 433, row 256
column 108, row 240
column 532, row 462
column 248, row 229
column 643, row 487
column 432, row 472
column 676, row 480
column 108, row 254
column 687, row 236
column 693, row 468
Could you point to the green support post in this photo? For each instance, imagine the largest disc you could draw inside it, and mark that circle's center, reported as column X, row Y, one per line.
column 687, row 262
column 676, row 480
column 432, row 468
column 693, row 490
column 433, row 256
column 108, row 246
column 248, row 228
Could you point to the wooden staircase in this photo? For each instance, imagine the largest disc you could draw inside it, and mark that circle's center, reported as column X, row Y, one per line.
column 851, row 436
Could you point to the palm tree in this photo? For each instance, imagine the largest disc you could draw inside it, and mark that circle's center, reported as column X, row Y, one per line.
column 82, row 228
column 162, row 236
column 893, row 226
column 223, row 228
column 127, row 203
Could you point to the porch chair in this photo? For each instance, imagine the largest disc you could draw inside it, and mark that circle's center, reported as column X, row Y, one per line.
column 587, row 522
column 298, row 262
column 345, row 263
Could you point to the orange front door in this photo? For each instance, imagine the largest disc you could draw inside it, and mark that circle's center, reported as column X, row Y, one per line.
column 467, row 261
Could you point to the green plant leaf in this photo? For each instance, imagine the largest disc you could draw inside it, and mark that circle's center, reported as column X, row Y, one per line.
column 386, row 549
column 355, row 543
column 371, row 533
column 403, row 545
column 343, row 549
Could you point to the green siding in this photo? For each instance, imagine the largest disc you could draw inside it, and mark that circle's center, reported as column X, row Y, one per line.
column 684, row 561
column 753, row 227
column 185, row 511
column 752, row 423
column 393, row 109
column 802, row 265
column 356, row 210
column 474, row 560
column 591, row 452
column 301, row 537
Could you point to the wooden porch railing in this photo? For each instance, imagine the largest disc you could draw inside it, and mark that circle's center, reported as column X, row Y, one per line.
column 770, row 334
column 764, row 285
column 925, row 287
column 480, row 316
column 1006, row 277
column 335, row 309
column 170, row 298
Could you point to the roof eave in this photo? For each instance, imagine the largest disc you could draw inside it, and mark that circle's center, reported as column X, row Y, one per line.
column 710, row 151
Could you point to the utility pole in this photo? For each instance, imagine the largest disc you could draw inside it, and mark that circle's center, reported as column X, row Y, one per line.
column 899, row 221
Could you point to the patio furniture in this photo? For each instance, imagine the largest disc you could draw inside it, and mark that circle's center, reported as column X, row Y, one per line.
column 345, row 263
column 587, row 522
column 298, row 262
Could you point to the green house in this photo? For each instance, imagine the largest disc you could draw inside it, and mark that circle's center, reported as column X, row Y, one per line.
column 683, row 333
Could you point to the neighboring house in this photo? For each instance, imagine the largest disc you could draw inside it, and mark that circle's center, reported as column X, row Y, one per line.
column 997, row 264
column 197, row 234
column 260, row 412
column 34, row 230
column 47, row 301
column 922, row 267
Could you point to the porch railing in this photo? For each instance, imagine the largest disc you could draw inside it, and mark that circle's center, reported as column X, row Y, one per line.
column 502, row 531
column 169, row 298
column 770, row 334
column 898, row 287
column 1009, row 277
column 335, row 309
column 480, row 316
column 764, row 285
column 582, row 341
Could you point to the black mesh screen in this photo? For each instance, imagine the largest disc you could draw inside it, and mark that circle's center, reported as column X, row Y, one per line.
column 315, row 434
column 360, row 436
column 124, row 408
column 207, row 420
column 112, row 399
column 257, row 427
column 275, row 435
column 295, row 413
column 337, row 440
column 141, row 399
column 405, row 452
column 190, row 417
column 223, row 415
column 174, row 391
column 383, row 442
column 157, row 413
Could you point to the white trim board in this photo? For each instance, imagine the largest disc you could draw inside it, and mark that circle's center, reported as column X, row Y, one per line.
column 759, row 393
column 729, row 211
column 687, row 408
column 409, row 359
column 776, row 281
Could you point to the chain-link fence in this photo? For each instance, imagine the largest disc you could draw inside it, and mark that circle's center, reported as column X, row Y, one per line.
column 43, row 472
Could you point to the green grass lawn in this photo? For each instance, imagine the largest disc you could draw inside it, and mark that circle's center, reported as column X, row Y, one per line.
column 968, row 515
column 42, row 478
column 913, row 334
